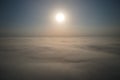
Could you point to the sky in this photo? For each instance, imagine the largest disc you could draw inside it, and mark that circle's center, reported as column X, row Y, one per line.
column 36, row 17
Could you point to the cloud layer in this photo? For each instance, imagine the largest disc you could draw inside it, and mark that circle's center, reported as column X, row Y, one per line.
column 75, row 58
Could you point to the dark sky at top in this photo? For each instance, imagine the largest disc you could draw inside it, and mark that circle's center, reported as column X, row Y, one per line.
column 22, row 17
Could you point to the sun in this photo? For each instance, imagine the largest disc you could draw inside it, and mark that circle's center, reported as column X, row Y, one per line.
column 60, row 17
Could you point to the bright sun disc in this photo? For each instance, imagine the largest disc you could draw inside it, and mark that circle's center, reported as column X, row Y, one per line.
column 60, row 17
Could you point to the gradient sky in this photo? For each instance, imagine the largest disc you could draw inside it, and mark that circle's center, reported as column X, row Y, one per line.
column 32, row 17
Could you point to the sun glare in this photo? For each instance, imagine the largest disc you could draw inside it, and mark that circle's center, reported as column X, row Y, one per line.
column 60, row 17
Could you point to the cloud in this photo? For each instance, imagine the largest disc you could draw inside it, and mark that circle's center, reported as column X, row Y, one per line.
column 59, row 58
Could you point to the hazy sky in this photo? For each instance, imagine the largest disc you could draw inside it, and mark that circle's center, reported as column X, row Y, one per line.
column 33, row 17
